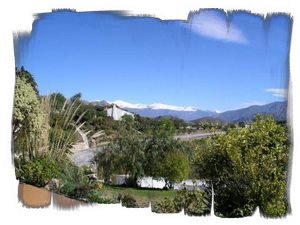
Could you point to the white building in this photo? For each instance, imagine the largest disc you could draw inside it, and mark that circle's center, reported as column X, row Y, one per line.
column 159, row 183
column 191, row 185
column 150, row 182
column 117, row 113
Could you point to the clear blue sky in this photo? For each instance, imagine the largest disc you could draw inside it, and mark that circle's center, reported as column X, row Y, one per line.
column 203, row 63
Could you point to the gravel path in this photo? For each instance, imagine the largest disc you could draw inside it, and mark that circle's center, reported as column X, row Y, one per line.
column 186, row 137
column 84, row 157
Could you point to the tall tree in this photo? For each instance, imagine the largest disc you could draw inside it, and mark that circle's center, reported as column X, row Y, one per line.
column 248, row 168
column 76, row 97
column 28, row 78
column 28, row 117
column 175, row 167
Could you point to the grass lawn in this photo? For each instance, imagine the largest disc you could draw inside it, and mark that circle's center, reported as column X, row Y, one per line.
column 142, row 196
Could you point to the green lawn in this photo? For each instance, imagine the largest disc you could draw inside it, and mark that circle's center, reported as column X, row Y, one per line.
column 142, row 196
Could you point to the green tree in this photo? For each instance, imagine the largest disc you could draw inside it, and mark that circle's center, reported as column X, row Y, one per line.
column 248, row 168
column 28, row 118
column 175, row 168
column 125, row 155
column 128, row 123
column 76, row 97
column 59, row 99
column 165, row 128
column 268, row 151
column 194, row 202
column 160, row 143
column 28, row 78
column 241, row 124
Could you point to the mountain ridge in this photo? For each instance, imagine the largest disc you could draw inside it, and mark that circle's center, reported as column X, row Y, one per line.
column 277, row 109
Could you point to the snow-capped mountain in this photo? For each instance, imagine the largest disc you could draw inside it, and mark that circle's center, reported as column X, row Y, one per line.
column 158, row 109
column 155, row 106
column 277, row 109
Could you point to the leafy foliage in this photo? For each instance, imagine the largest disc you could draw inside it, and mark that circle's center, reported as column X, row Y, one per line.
column 154, row 154
column 128, row 201
column 28, row 78
column 98, row 197
column 74, row 181
column 194, row 202
column 39, row 171
column 29, row 125
column 165, row 206
column 175, row 168
column 248, row 168
column 125, row 156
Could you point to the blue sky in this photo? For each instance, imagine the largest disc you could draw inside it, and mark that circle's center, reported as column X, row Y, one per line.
column 204, row 62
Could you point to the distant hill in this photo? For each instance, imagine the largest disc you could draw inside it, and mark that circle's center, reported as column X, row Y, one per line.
column 277, row 109
column 185, row 115
column 102, row 103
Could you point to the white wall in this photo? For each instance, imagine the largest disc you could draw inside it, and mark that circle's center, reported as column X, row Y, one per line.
column 149, row 182
column 117, row 113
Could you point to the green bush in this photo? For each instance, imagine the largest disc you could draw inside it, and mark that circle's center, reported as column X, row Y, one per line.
column 165, row 206
column 194, row 203
column 38, row 171
column 75, row 184
column 128, row 201
column 275, row 207
column 97, row 197
column 248, row 168
column 68, row 189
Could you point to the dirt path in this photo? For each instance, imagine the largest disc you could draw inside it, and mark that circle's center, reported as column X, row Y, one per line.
column 186, row 137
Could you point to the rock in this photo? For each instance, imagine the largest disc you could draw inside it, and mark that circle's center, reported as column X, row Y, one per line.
column 53, row 185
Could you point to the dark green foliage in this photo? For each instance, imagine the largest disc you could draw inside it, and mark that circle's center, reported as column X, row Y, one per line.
column 248, row 168
column 175, row 167
column 38, row 171
column 241, row 124
column 75, row 183
column 128, row 201
column 97, row 197
column 165, row 128
column 59, row 99
column 144, row 124
column 95, row 119
column 232, row 199
column 22, row 73
column 154, row 154
column 131, row 155
column 194, row 203
column 76, row 97
column 105, row 164
column 155, row 151
column 165, row 206
column 229, row 126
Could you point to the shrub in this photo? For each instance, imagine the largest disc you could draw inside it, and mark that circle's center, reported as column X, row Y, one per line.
column 175, row 167
column 97, row 197
column 248, row 167
column 194, row 203
column 75, row 183
column 165, row 206
column 39, row 171
column 128, row 201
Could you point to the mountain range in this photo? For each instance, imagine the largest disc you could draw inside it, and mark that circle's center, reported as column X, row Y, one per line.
column 277, row 109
